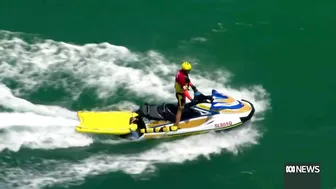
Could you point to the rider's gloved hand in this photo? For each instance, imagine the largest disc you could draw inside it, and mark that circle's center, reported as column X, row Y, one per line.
column 194, row 88
column 197, row 93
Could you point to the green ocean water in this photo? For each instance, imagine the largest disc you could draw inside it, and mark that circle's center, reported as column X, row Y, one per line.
column 59, row 57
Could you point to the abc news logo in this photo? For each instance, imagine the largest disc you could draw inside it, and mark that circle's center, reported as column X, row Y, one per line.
column 303, row 169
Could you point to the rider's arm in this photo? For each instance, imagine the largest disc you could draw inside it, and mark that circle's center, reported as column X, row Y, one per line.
column 186, row 92
column 191, row 85
column 182, row 81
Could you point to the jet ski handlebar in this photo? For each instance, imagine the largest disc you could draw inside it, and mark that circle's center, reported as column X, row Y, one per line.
column 200, row 98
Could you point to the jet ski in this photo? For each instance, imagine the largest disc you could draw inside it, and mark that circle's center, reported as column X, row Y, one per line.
column 215, row 112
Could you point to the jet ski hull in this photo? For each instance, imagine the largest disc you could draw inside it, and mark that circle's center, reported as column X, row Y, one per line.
column 198, row 125
column 153, row 121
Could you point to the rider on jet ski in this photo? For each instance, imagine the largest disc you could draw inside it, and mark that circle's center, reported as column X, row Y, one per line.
column 182, row 84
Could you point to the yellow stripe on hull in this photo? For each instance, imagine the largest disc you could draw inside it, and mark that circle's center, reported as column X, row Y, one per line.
column 166, row 135
column 117, row 123
column 182, row 124
column 157, row 123
column 245, row 108
column 175, row 135
column 193, row 123
column 227, row 100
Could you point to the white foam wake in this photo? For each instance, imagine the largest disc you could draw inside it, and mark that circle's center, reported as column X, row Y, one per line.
column 107, row 69
column 177, row 152
column 32, row 120
column 36, row 126
column 8, row 100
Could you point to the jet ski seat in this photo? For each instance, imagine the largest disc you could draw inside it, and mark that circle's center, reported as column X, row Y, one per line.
column 165, row 112
column 151, row 111
column 171, row 110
